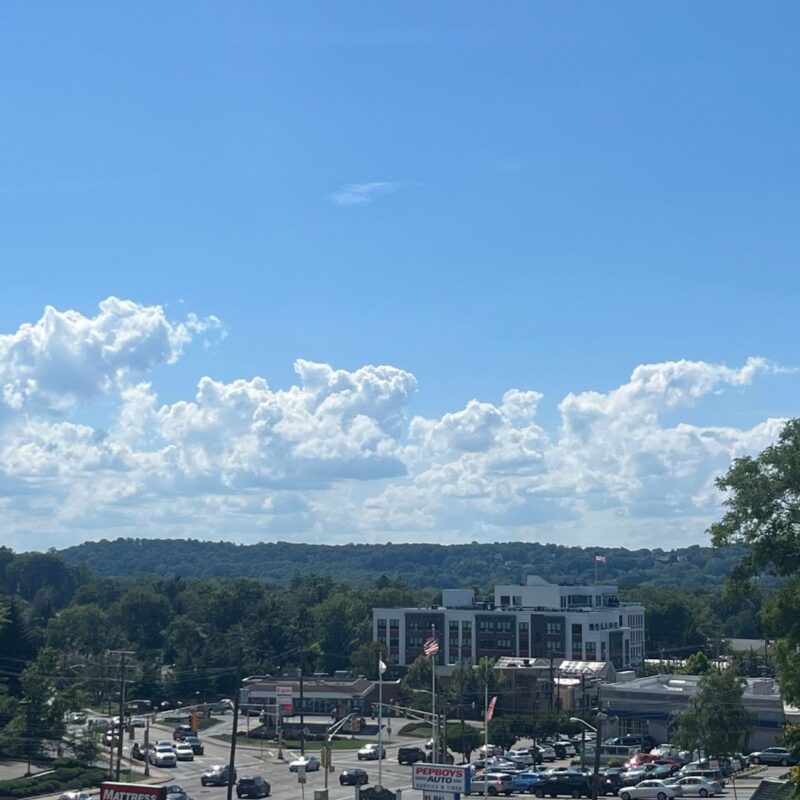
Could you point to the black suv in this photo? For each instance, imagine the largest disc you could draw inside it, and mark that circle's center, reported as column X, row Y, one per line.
column 254, row 786
column 572, row 784
column 181, row 732
column 410, row 755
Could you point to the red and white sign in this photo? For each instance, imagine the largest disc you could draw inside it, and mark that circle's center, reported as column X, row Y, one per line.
column 131, row 791
column 284, row 696
column 440, row 778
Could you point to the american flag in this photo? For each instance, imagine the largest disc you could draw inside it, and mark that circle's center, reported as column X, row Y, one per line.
column 598, row 557
column 490, row 710
column 431, row 647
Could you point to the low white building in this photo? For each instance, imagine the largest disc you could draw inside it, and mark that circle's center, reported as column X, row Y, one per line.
column 650, row 705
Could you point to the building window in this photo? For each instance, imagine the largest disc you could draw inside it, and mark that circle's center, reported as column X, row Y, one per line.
column 505, row 600
column 591, row 651
column 466, row 625
column 523, row 627
column 381, row 623
column 553, row 627
column 453, row 624
column 517, row 600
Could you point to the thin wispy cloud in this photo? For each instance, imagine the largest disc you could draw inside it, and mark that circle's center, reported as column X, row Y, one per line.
column 357, row 194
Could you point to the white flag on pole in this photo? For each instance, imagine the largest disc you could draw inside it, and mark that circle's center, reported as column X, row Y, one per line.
column 381, row 666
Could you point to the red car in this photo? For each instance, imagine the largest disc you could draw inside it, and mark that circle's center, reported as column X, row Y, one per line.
column 639, row 759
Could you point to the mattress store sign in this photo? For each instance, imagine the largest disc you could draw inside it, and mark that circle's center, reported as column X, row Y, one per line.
column 131, row 791
column 440, row 779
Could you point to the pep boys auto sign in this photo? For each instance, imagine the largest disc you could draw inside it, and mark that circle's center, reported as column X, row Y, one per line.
column 439, row 779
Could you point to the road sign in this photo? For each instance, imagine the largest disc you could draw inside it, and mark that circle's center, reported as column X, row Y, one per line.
column 301, row 773
column 440, row 779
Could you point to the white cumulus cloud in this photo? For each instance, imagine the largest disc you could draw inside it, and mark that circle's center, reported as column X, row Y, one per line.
column 338, row 455
column 66, row 357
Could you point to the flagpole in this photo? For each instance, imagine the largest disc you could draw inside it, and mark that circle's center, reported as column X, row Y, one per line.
column 485, row 729
column 435, row 747
column 595, row 569
column 380, row 721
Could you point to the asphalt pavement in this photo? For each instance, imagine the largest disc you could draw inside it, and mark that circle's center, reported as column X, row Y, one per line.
column 261, row 758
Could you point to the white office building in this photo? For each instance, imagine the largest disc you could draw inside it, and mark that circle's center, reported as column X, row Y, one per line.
column 534, row 620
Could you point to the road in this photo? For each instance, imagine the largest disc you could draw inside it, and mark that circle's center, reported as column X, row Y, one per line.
column 254, row 759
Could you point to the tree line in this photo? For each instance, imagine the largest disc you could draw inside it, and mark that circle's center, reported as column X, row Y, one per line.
column 481, row 566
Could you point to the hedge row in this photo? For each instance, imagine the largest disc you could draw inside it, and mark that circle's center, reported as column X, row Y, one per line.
column 65, row 776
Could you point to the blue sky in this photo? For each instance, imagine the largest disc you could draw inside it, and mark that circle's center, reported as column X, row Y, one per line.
column 527, row 196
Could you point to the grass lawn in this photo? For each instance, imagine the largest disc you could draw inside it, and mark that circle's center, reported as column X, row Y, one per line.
column 203, row 723
column 294, row 744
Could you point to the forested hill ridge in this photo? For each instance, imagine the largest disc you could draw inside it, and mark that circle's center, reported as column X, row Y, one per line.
column 417, row 565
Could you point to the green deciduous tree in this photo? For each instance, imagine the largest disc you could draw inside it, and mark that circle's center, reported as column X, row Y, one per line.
column 716, row 721
column 464, row 739
column 762, row 511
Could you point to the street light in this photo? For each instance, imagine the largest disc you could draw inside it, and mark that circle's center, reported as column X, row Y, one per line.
column 585, row 725
column 601, row 717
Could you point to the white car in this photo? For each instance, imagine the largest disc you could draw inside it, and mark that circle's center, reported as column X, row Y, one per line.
column 371, row 752
column 311, row 763
column 650, row 790
column 697, row 786
column 492, row 783
column 520, row 757
column 184, row 751
column 162, row 755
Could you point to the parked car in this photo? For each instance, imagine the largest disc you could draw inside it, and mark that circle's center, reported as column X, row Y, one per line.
column 492, row 783
column 196, row 744
column 649, row 790
column 217, row 776
column 543, row 752
column 522, row 756
column 644, row 743
column 371, row 752
column 311, row 763
column 708, row 774
column 696, row 786
column 563, row 749
column 639, row 759
column 184, row 751
column 410, row 755
column 252, row 786
column 490, row 750
column 75, row 796
column 773, row 755
column 638, row 774
column 353, row 777
column 527, row 781
column 567, row 782
column 609, row 781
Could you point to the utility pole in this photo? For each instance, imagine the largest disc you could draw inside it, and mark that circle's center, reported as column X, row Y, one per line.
column 232, row 758
column 147, row 748
column 302, row 719
column 123, row 654
column 597, row 742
